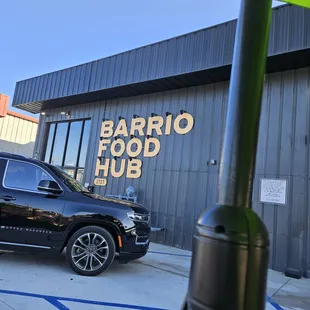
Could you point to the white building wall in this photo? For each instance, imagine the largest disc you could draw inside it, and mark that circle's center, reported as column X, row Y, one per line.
column 17, row 135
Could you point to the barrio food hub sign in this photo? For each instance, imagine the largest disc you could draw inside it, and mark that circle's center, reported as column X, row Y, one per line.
column 140, row 134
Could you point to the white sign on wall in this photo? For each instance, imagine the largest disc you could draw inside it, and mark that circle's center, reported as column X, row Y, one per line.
column 273, row 191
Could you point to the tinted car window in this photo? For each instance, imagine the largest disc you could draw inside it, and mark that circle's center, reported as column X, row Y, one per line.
column 24, row 176
column 71, row 183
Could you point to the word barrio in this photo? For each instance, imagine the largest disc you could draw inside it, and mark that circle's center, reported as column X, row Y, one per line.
column 114, row 137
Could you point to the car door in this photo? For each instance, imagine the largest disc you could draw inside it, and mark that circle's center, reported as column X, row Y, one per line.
column 29, row 217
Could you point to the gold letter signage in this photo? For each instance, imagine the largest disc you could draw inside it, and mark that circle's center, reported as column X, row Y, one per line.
column 142, row 141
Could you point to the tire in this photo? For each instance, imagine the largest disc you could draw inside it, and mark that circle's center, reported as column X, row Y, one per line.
column 90, row 259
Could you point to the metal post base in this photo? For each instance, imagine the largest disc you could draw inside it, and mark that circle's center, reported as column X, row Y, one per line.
column 230, row 261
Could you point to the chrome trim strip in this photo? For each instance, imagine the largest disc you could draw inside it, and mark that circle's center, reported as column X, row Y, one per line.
column 26, row 190
column 26, row 245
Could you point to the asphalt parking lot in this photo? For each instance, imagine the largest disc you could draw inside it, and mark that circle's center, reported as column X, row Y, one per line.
column 44, row 281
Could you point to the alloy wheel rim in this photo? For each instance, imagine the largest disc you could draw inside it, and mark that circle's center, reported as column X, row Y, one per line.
column 90, row 251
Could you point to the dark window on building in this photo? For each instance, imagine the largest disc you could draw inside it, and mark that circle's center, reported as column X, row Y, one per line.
column 84, row 147
column 73, row 144
column 67, row 145
column 59, row 144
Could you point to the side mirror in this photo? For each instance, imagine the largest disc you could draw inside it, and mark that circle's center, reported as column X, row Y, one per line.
column 49, row 186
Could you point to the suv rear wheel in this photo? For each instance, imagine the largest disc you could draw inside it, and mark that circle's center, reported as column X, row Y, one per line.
column 90, row 251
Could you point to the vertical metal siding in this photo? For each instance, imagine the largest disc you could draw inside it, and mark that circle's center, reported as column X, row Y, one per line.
column 124, row 69
column 98, row 75
column 34, row 89
column 284, row 153
column 110, row 72
column 4, row 127
column 230, row 42
column 307, row 26
column 37, row 94
column 58, row 75
column 104, row 73
column 16, row 92
column 179, row 183
column 117, row 70
column 61, row 83
column 93, row 76
column 138, row 65
column 17, row 135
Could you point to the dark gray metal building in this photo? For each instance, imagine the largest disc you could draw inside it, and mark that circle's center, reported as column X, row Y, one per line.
column 168, row 103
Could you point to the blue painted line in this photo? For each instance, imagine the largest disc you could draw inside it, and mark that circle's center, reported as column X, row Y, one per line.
column 56, row 303
column 274, row 304
column 172, row 254
column 55, row 300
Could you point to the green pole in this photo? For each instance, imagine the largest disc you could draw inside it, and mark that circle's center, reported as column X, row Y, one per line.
column 231, row 247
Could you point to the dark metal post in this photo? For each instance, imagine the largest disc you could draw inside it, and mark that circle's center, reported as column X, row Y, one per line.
column 231, row 247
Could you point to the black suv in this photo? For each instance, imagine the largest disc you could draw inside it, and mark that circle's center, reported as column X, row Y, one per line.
column 43, row 208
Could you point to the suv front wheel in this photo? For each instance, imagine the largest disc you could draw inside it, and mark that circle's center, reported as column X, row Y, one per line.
column 90, row 251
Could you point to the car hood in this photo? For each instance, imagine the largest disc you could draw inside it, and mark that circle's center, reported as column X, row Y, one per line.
column 101, row 200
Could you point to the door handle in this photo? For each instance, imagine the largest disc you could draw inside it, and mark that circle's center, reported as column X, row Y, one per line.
column 7, row 198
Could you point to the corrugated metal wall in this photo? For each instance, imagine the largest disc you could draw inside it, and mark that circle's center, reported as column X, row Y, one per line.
column 178, row 184
column 17, row 135
column 284, row 153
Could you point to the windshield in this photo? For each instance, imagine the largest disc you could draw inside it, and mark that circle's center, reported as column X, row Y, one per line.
column 71, row 183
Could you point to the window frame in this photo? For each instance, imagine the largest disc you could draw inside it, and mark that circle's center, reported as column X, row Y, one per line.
column 8, row 160
column 66, row 168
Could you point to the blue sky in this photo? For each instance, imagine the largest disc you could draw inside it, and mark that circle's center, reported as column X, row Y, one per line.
column 38, row 36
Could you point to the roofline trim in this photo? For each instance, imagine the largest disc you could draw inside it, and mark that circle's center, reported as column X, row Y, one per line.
column 23, row 117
